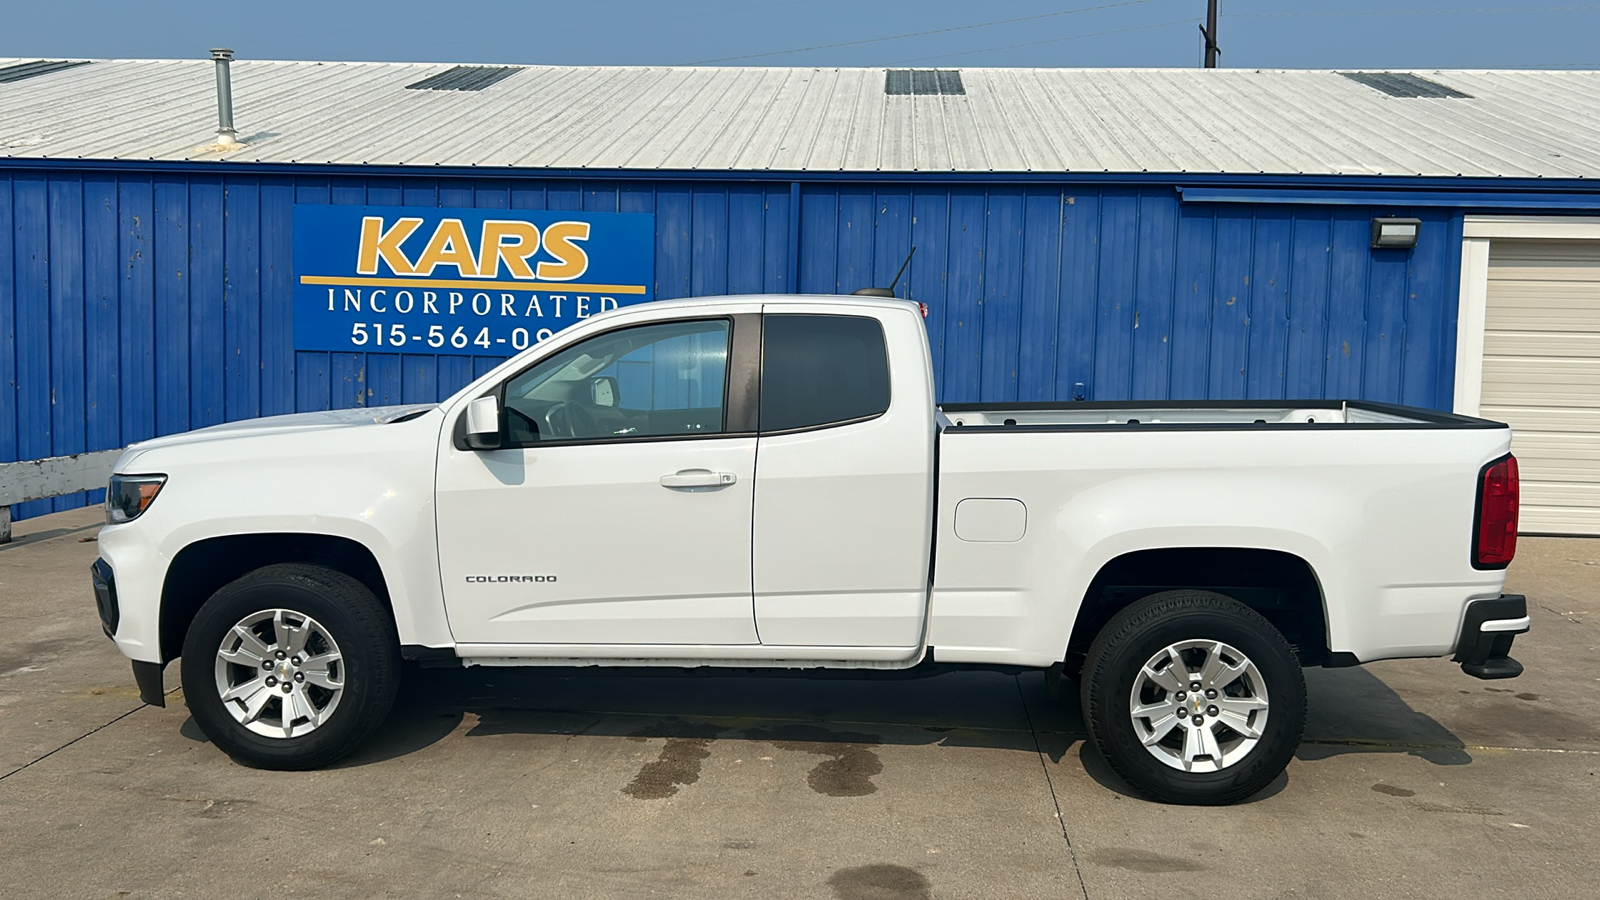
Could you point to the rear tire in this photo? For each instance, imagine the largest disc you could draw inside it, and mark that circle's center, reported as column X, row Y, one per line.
column 1219, row 744
column 291, row 666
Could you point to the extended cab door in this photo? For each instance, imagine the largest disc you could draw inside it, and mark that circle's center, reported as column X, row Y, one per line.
column 844, row 476
column 618, row 509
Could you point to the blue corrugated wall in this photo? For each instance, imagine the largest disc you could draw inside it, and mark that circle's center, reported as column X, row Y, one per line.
column 138, row 304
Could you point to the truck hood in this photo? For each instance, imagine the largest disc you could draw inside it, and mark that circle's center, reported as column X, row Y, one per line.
column 298, row 422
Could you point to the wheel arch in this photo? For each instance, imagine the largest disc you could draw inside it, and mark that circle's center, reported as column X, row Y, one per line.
column 1280, row 585
column 203, row 567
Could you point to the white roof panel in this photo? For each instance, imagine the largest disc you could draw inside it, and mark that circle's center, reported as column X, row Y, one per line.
column 1538, row 124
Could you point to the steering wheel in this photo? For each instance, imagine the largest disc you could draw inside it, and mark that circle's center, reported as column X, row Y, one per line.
column 557, row 413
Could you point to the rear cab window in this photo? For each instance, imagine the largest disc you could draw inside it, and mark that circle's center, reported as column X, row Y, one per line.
column 821, row 370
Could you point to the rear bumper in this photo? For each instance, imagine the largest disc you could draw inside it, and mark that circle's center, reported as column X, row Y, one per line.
column 1487, row 630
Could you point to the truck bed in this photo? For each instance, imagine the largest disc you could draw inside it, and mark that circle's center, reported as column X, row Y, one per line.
column 1205, row 415
column 1035, row 499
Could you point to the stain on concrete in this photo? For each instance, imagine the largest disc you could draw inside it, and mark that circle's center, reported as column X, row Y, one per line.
column 738, row 844
column 1468, row 810
column 850, row 765
column 1143, row 861
column 678, row 764
column 688, row 745
column 1527, row 696
column 1393, row 791
column 222, row 809
column 211, row 807
column 848, row 774
column 880, row 882
column 32, row 657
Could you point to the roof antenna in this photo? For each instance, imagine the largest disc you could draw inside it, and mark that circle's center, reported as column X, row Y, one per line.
column 888, row 291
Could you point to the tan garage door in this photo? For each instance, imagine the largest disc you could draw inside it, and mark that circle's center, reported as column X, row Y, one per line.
column 1541, row 374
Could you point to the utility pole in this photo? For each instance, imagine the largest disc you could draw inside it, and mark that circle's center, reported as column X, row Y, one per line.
column 1209, row 31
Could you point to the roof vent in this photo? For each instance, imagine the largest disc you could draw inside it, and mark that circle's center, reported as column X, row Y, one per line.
column 925, row 82
column 226, row 136
column 464, row 78
column 1404, row 84
column 19, row 71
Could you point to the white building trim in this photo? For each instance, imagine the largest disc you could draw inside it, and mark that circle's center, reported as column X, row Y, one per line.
column 1478, row 234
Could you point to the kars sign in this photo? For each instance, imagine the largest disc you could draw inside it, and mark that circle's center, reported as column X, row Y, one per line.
column 482, row 282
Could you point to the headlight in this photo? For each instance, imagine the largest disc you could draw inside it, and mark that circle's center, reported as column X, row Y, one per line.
column 129, row 495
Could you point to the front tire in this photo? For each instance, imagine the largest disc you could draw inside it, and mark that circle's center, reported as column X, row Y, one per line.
column 1194, row 698
column 291, row 666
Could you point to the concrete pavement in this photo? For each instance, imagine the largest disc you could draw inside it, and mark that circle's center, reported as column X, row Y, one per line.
column 1415, row 781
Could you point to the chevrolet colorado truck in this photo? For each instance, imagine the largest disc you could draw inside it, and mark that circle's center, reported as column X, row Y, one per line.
column 766, row 481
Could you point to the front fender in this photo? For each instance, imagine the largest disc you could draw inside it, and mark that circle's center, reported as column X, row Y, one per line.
column 371, row 485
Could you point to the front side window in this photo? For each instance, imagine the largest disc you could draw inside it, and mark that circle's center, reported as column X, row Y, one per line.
column 661, row 380
column 821, row 370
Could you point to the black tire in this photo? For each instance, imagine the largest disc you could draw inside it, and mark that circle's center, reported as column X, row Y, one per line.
column 352, row 617
column 1145, row 629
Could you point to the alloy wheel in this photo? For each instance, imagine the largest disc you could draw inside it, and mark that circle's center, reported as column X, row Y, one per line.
column 279, row 673
column 1199, row 705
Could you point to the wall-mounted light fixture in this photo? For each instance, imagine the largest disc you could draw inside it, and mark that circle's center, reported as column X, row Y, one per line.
column 1391, row 233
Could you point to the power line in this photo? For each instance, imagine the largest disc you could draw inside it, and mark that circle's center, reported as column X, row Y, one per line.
column 899, row 37
column 1413, row 12
column 1071, row 37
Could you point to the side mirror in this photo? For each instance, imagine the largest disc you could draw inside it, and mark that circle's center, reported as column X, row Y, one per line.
column 603, row 391
column 483, row 424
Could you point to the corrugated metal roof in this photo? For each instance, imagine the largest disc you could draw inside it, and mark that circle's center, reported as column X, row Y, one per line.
column 1512, row 123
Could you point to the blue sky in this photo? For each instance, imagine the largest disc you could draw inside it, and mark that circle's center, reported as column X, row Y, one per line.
column 1254, row 33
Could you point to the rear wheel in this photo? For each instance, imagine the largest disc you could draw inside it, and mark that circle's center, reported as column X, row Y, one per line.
column 290, row 666
column 1193, row 697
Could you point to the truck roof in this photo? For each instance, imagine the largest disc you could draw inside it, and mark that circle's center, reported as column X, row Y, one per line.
column 730, row 299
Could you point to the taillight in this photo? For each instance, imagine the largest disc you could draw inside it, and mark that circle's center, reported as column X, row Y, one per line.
column 1497, row 515
column 924, row 308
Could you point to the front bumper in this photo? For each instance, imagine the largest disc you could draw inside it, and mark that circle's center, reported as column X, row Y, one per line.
column 1484, row 646
column 147, row 675
column 105, row 597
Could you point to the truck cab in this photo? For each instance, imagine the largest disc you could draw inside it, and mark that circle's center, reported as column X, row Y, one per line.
column 626, row 476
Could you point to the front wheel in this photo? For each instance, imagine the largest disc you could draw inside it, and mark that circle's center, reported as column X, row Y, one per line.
column 290, row 666
column 1194, row 698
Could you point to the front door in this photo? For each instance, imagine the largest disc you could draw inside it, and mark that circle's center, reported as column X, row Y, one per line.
column 618, row 510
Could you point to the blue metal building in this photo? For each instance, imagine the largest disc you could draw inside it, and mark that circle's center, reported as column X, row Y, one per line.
column 1078, row 234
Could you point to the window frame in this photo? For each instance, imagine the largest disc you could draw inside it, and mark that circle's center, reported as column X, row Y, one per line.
column 738, row 411
column 888, row 372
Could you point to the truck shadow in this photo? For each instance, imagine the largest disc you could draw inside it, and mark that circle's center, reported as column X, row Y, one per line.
column 1351, row 711
column 1354, row 711
column 965, row 709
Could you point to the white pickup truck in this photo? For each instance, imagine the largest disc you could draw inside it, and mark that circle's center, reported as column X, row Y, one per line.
column 766, row 481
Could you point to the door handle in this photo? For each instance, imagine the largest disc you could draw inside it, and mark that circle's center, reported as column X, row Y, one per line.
column 690, row 478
